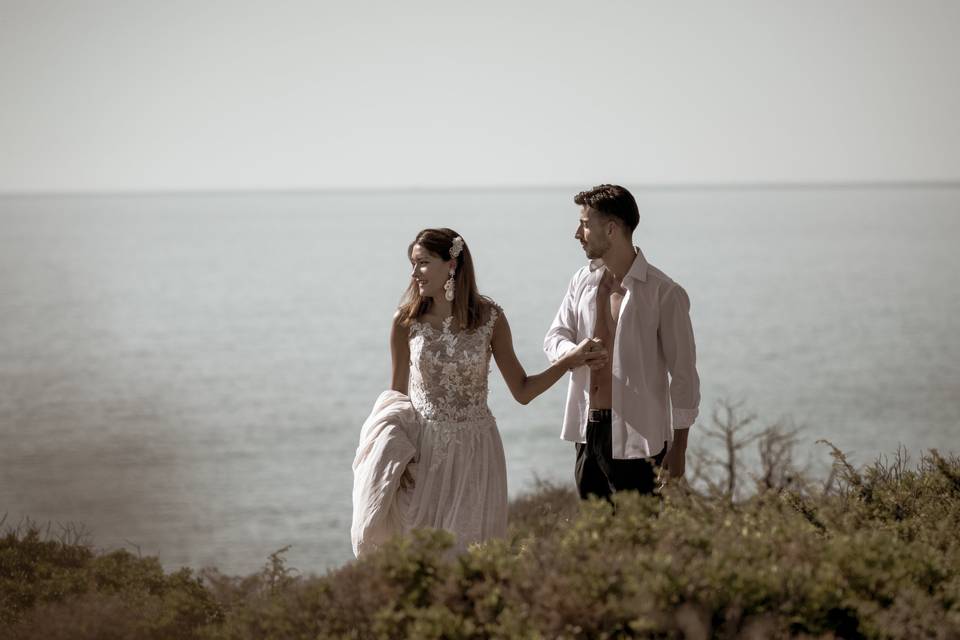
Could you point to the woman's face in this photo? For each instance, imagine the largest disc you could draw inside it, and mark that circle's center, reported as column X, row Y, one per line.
column 430, row 271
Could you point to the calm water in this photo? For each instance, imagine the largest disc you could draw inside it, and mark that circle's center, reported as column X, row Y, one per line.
column 189, row 373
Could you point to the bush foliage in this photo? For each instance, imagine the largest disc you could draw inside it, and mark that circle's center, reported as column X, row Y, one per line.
column 870, row 553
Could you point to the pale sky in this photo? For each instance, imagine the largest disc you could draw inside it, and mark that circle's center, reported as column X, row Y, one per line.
column 201, row 95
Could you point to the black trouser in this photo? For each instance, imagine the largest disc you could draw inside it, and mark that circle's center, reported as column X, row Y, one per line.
column 598, row 474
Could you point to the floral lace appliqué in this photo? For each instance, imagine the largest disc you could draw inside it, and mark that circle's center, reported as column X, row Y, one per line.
column 449, row 371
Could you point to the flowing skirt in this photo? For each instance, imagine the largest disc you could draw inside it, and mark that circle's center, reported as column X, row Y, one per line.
column 460, row 481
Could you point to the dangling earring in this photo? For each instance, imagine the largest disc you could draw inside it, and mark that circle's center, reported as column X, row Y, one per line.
column 456, row 246
column 449, row 286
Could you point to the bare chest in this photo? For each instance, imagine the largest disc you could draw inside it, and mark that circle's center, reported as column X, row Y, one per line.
column 609, row 300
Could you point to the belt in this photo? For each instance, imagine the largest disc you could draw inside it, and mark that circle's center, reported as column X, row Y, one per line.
column 600, row 415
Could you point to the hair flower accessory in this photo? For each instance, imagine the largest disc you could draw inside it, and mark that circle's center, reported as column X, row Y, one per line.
column 456, row 247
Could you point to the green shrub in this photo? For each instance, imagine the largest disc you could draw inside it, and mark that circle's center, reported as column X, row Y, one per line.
column 56, row 587
column 871, row 553
column 874, row 556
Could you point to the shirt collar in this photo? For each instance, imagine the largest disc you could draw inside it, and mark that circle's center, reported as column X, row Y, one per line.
column 638, row 270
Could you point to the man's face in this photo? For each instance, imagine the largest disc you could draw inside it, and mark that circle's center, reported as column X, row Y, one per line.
column 592, row 233
column 430, row 271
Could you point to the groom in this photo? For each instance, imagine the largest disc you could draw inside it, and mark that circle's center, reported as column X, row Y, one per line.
column 633, row 412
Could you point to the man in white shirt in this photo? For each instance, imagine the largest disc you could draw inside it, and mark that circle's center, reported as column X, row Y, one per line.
column 632, row 412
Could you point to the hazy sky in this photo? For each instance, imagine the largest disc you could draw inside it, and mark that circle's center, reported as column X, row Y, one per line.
column 161, row 94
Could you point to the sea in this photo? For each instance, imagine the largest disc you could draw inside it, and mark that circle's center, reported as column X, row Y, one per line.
column 185, row 375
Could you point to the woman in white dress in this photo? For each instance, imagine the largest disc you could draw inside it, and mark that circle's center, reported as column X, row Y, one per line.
column 442, row 337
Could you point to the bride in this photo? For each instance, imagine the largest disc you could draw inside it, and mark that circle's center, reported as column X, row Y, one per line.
column 450, row 472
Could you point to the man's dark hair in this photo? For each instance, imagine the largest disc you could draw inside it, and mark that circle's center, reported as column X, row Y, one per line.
column 613, row 201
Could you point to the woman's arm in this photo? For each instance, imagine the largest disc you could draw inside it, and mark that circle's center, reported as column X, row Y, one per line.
column 400, row 355
column 525, row 388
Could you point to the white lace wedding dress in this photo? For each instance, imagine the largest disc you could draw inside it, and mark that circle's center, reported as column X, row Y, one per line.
column 460, row 479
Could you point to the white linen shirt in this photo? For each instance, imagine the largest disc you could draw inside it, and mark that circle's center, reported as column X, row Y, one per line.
column 653, row 338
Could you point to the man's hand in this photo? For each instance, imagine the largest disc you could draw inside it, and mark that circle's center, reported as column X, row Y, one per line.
column 590, row 352
column 601, row 360
column 675, row 462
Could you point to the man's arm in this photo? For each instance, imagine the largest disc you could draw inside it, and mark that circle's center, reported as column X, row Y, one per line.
column 561, row 338
column 680, row 351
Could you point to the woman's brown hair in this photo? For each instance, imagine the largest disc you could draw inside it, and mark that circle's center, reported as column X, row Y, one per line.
column 469, row 307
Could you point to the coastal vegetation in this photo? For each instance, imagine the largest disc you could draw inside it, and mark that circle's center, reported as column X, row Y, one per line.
column 760, row 550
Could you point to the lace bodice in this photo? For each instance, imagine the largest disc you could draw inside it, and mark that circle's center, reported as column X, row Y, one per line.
column 449, row 370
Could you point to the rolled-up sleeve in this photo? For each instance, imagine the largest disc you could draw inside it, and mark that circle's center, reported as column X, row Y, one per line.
column 680, row 351
column 562, row 335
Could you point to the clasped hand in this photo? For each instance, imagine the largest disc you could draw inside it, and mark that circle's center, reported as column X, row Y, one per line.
column 590, row 352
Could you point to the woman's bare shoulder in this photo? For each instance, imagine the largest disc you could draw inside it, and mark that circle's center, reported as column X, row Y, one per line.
column 400, row 325
column 490, row 311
